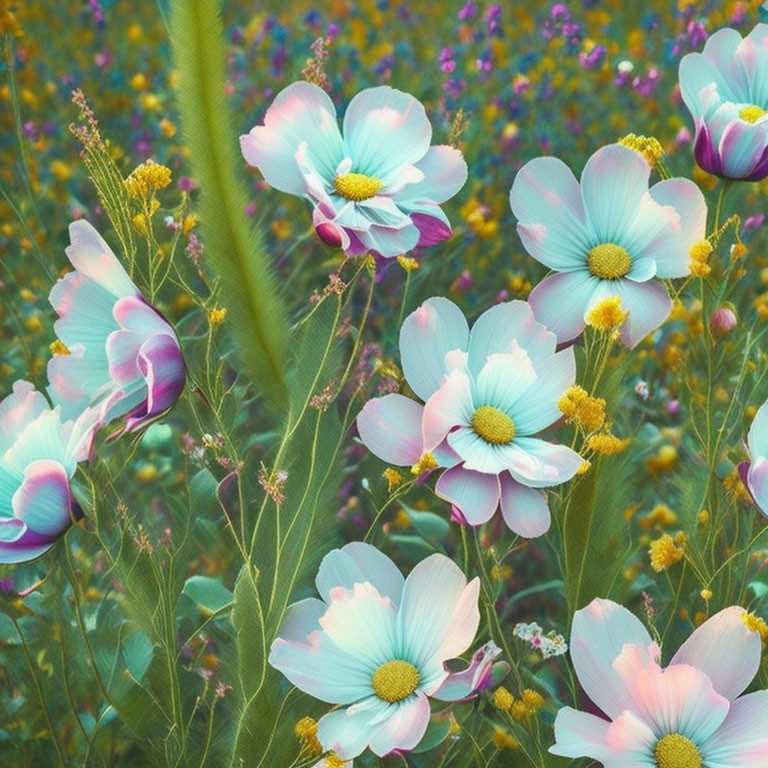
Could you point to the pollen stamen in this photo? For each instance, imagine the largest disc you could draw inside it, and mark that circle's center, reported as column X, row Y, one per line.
column 357, row 186
column 675, row 751
column 395, row 680
column 609, row 261
column 493, row 425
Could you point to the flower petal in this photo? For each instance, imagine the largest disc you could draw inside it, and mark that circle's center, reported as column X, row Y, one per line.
column 300, row 113
column 459, row 686
column 757, row 439
column 539, row 464
column 449, row 407
column 44, row 501
column 17, row 410
column 390, row 427
column 742, row 740
column 476, row 494
column 348, row 731
column 525, row 509
column 560, row 301
column 357, row 563
column 599, row 633
column 445, row 173
column 404, row 728
column 726, row 650
column 437, row 327
column 385, row 128
column 579, row 734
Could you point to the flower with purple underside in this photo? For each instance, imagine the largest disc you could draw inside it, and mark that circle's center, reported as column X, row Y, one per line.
column 690, row 713
column 39, row 452
column 376, row 645
column 725, row 88
column 121, row 353
column 486, row 394
column 609, row 235
column 754, row 473
column 378, row 187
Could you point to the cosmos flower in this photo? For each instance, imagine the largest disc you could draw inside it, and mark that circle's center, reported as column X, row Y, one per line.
column 608, row 236
column 690, row 713
column 376, row 188
column 754, row 473
column 38, row 457
column 726, row 92
column 119, row 352
column 487, row 393
column 375, row 645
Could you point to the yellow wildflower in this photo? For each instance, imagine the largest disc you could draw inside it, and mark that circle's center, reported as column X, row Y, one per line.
column 147, row 178
column 648, row 146
column 425, row 463
column 607, row 443
column 665, row 552
column 503, row 699
column 217, row 315
column 393, row 478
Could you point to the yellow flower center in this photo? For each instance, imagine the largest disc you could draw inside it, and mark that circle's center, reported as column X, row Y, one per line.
column 395, row 680
column 493, row 425
column 608, row 261
column 752, row 113
column 675, row 751
column 357, row 186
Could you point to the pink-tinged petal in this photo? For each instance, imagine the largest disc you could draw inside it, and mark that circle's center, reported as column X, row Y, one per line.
column 302, row 619
column 449, row 407
column 362, row 622
column 678, row 699
column 390, row 427
column 404, row 728
column 18, row 409
column 162, row 366
column 44, row 501
column 432, row 223
column 546, row 199
column 437, row 327
column 28, row 547
column 347, row 732
column 742, row 740
column 726, row 650
column 302, row 112
column 536, row 408
column 91, row 256
column 672, row 247
column 134, row 314
column 579, row 734
column 123, row 356
column 496, row 329
column 357, row 563
column 560, row 301
column 599, row 633
column 757, row 483
column 459, row 686
column 525, row 509
column 631, row 740
column 11, row 530
column 503, row 379
column 385, row 128
column 648, row 305
column 438, row 617
column 390, row 242
column 539, row 464
column 445, row 173
column 742, row 148
column 757, row 439
column 476, row 494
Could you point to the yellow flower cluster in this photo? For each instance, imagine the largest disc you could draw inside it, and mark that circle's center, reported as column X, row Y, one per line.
column 217, row 315
column 503, row 739
column 146, row 179
column 425, row 463
column 527, row 706
column 756, row 624
column 700, row 252
column 661, row 516
column 408, row 263
column 667, row 551
column 606, row 314
column 306, row 732
column 393, row 478
column 578, row 407
column 607, row 443
column 648, row 146
column 477, row 216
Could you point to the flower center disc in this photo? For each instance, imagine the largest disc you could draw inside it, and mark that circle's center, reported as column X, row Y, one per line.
column 395, row 680
column 675, row 751
column 608, row 261
column 752, row 113
column 357, row 186
column 493, row 425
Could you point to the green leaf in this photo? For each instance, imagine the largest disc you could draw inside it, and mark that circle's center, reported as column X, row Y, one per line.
column 208, row 593
column 234, row 247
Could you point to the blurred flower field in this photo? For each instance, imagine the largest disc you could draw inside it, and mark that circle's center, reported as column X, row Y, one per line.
column 343, row 424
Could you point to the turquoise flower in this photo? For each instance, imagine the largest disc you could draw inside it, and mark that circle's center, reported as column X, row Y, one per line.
column 379, row 186
column 376, row 645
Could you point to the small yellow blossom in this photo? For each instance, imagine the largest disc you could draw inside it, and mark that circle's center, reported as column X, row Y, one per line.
column 606, row 314
column 577, row 406
column 503, row 739
column 408, row 263
column 648, row 146
column 665, row 552
column 706, row 594
column 703, row 517
column 584, row 468
column 756, row 624
column 503, row 699
column 393, row 478
column 425, row 463
column 217, row 315
column 661, row 515
column 663, row 461
column 607, row 443
column 58, row 348
column 147, row 178
column 532, row 699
